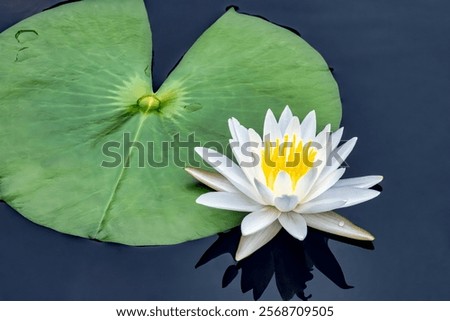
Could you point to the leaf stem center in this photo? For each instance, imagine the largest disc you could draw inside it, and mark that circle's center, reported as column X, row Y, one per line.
column 148, row 103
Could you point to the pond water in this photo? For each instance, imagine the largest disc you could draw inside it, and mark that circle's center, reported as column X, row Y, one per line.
column 391, row 61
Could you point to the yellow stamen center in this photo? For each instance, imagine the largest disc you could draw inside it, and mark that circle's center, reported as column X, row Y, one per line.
column 292, row 156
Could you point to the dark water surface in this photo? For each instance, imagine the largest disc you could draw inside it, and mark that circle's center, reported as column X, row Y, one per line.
column 392, row 62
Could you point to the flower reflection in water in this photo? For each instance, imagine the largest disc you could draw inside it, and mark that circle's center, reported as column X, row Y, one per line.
column 290, row 260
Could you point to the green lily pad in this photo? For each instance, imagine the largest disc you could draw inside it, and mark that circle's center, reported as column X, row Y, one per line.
column 76, row 93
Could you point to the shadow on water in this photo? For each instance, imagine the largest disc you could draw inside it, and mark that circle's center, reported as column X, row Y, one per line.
column 290, row 260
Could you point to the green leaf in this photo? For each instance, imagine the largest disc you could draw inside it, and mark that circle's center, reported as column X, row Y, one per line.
column 77, row 77
column 243, row 65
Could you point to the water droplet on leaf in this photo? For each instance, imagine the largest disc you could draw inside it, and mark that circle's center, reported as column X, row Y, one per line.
column 22, row 54
column 23, row 36
column 193, row 107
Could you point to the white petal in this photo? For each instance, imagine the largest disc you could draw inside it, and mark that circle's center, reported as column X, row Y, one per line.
column 251, row 243
column 229, row 169
column 249, row 152
column 222, row 164
column 324, row 184
column 359, row 182
column 345, row 149
column 337, row 157
column 285, row 118
column 294, row 128
column 258, row 220
column 256, row 141
column 232, row 123
column 242, row 134
column 213, row 180
column 322, row 137
column 229, row 201
column 282, row 184
column 308, row 126
column 333, row 223
column 271, row 128
column 319, row 205
column 245, row 161
column 320, row 160
column 294, row 224
column 305, row 183
column 255, row 138
column 241, row 146
column 351, row 195
column 286, row 203
column 336, row 138
column 265, row 192
column 322, row 145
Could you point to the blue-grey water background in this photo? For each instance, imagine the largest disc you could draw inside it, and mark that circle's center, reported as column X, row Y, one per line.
column 391, row 60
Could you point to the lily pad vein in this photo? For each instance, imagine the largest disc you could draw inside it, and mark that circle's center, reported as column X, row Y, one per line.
column 120, row 177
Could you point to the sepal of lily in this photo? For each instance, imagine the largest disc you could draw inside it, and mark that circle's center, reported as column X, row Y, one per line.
column 289, row 181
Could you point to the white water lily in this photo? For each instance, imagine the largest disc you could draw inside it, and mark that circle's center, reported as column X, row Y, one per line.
column 291, row 179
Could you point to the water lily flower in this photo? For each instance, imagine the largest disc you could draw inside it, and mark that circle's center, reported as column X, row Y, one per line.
column 291, row 178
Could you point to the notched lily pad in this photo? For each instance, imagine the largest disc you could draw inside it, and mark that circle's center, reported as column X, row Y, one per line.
column 76, row 78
